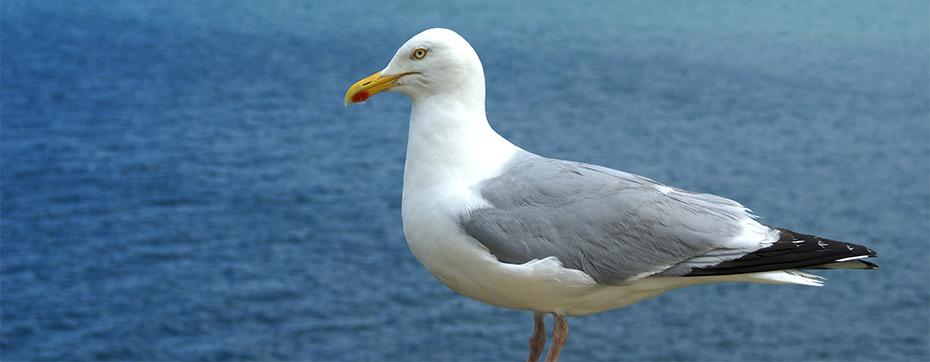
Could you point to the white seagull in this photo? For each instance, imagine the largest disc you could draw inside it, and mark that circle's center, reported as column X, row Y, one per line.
column 513, row 229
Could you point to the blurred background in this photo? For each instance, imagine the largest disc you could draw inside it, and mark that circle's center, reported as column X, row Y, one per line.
column 180, row 179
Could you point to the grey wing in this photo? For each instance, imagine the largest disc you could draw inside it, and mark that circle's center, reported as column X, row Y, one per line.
column 616, row 226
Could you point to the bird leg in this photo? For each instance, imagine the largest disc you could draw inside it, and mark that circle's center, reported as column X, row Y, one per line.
column 538, row 339
column 559, row 336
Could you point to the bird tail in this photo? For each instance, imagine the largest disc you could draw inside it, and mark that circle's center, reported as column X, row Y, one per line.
column 787, row 277
column 798, row 277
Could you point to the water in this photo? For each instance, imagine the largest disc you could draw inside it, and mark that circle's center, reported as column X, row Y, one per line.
column 180, row 180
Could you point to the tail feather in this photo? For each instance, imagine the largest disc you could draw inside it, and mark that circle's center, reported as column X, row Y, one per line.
column 788, row 277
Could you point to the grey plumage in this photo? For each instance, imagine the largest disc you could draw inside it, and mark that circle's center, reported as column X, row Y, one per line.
column 614, row 226
column 610, row 224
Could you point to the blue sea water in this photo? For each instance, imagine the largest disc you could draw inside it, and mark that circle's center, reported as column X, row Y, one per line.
column 180, row 179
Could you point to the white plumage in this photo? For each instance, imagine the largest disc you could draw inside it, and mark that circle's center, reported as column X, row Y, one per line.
column 509, row 228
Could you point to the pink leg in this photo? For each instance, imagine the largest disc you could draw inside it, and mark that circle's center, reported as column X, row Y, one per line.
column 559, row 337
column 538, row 339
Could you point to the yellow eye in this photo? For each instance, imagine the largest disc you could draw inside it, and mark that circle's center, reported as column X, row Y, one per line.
column 419, row 53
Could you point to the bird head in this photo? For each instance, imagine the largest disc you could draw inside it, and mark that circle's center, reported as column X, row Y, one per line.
column 435, row 61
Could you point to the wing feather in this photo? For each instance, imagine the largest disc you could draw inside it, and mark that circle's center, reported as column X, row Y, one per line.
column 618, row 227
column 612, row 225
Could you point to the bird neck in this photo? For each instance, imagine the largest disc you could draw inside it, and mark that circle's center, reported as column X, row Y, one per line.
column 451, row 143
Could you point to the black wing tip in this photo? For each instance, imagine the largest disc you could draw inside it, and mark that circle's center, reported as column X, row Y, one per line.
column 792, row 251
column 869, row 265
column 791, row 236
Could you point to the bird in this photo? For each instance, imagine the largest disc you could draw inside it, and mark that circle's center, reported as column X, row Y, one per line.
column 514, row 229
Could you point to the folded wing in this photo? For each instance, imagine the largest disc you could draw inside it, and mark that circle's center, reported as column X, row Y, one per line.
column 618, row 227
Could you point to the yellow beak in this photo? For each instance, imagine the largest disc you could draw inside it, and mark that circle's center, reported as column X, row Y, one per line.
column 371, row 85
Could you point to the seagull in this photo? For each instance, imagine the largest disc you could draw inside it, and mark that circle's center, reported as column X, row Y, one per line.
column 513, row 229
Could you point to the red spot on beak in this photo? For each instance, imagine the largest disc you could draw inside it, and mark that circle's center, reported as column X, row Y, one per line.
column 360, row 97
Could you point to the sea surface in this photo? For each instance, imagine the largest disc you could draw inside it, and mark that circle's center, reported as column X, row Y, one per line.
column 181, row 181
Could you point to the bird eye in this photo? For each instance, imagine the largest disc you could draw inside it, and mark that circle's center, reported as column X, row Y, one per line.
column 419, row 53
